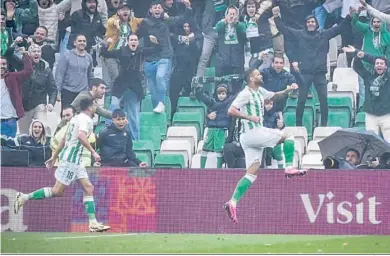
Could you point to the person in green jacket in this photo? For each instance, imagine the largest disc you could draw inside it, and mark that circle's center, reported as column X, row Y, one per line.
column 376, row 42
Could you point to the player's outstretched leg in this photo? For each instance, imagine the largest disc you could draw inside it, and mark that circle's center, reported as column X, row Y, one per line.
column 47, row 192
column 242, row 187
column 89, row 206
column 288, row 149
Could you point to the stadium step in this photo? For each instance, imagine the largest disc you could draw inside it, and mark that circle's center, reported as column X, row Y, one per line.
column 169, row 161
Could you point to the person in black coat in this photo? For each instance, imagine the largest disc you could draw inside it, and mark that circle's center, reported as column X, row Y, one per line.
column 115, row 143
column 128, row 85
column 88, row 22
column 186, row 45
column 313, row 50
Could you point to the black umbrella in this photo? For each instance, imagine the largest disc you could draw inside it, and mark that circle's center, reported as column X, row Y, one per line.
column 366, row 142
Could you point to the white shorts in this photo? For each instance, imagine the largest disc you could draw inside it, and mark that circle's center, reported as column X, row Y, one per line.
column 254, row 141
column 68, row 172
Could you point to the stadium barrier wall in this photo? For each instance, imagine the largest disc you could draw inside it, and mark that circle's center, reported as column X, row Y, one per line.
column 190, row 201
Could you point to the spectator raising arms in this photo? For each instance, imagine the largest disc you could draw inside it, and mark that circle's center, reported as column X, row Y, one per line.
column 11, row 107
column 377, row 85
column 48, row 17
column 37, row 143
column 116, row 146
column 158, row 62
column 36, row 89
column 74, row 71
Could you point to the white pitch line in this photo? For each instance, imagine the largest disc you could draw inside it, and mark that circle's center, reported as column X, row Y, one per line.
column 98, row 236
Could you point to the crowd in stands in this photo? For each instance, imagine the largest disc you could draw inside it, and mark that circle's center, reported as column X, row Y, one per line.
column 168, row 63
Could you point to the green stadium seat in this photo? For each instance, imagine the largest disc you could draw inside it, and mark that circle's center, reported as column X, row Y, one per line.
column 342, row 119
column 189, row 119
column 169, row 161
column 146, row 104
column 360, row 120
column 145, row 146
column 151, row 133
column 308, row 120
column 185, row 104
column 343, row 105
column 168, row 108
column 310, row 106
column 144, row 157
column 153, row 119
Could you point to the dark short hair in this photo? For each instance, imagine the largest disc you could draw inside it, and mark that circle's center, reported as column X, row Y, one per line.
column 85, row 103
column 381, row 58
column 248, row 74
column 118, row 113
column 354, row 150
column 278, row 56
column 156, row 2
column 44, row 28
column 68, row 107
column 75, row 39
column 96, row 82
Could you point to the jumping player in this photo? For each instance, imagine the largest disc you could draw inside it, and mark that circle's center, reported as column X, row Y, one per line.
column 249, row 107
column 70, row 168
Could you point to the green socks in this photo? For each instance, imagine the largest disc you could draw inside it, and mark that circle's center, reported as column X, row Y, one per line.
column 288, row 148
column 39, row 194
column 242, row 187
column 203, row 160
column 89, row 206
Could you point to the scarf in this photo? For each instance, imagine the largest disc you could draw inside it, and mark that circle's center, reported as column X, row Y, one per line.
column 4, row 41
column 377, row 84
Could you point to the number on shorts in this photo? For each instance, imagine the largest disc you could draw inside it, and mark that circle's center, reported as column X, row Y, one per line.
column 70, row 175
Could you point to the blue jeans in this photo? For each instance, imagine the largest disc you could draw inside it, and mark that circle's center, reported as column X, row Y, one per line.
column 8, row 127
column 157, row 76
column 132, row 109
column 321, row 14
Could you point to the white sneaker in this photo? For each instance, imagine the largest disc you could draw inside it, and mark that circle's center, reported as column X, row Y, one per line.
column 160, row 108
column 98, row 227
column 19, row 202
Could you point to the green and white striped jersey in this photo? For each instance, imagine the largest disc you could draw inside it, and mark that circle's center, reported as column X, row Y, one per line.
column 73, row 150
column 251, row 103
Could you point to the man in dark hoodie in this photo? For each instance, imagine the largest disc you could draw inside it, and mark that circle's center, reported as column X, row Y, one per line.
column 88, row 22
column 231, row 43
column 128, row 85
column 115, row 143
column 313, row 49
column 218, row 122
column 74, row 71
column 155, row 30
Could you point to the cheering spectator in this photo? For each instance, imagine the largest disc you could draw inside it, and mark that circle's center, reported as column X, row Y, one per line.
column 173, row 8
column 11, row 107
column 380, row 5
column 67, row 113
column 119, row 28
column 158, row 63
column 48, row 18
column 231, row 43
column 88, row 22
column 116, row 146
column 6, row 34
column 26, row 19
column 276, row 79
column 376, row 42
column 74, row 71
column 37, row 143
column 233, row 154
column 98, row 89
column 74, row 5
column 314, row 48
column 258, row 30
column 36, row 89
column 128, row 86
column 186, row 47
column 218, row 122
column 377, row 85
column 112, row 8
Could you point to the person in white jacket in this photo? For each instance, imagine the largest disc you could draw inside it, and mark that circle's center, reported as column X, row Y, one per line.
column 48, row 17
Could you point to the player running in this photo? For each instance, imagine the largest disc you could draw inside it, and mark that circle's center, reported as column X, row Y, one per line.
column 70, row 168
column 249, row 107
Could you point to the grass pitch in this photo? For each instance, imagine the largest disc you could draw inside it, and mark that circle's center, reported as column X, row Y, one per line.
column 189, row 243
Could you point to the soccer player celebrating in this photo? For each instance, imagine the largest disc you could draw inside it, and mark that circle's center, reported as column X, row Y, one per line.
column 70, row 168
column 249, row 107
